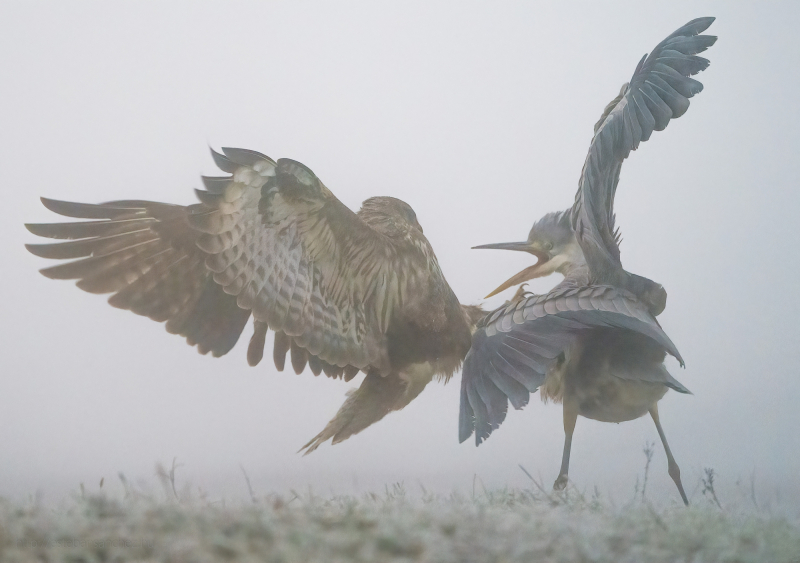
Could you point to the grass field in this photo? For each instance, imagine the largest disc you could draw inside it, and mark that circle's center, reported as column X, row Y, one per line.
column 525, row 525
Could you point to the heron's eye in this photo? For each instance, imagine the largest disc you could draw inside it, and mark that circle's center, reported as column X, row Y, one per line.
column 548, row 245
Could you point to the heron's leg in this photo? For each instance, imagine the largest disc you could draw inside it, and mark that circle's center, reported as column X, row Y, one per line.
column 570, row 417
column 674, row 470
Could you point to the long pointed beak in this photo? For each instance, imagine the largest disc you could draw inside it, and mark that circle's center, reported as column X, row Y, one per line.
column 525, row 246
column 528, row 273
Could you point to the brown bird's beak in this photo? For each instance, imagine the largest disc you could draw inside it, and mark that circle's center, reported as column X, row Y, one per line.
column 528, row 273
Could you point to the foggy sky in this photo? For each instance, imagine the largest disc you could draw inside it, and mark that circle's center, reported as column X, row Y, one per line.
column 479, row 116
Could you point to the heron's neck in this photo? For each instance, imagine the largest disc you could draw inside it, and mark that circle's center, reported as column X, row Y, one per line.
column 571, row 263
column 569, row 259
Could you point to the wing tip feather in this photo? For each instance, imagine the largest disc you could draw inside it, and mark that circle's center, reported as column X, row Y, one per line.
column 223, row 162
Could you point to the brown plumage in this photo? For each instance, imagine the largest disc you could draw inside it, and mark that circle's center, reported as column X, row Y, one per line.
column 343, row 292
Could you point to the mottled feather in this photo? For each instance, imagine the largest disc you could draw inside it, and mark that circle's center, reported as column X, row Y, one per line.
column 343, row 291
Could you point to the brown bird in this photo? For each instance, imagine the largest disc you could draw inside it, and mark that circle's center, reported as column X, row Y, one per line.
column 592, row 343
column 343, row 292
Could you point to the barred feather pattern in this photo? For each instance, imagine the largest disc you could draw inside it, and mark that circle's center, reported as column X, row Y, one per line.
column 306, row 265
column 269, row 239
column 145, row 254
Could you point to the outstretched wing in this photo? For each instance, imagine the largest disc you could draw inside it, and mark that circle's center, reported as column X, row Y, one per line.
column 145, row 253
column 658, row 91
column 304, row 263
column 515, row 347
column 270, row 239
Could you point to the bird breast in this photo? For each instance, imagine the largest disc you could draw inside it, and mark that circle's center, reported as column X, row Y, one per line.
column 611, row 399
column 610, row 376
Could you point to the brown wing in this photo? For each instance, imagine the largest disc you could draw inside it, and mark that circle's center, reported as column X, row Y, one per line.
column 144, row 253
column 306, row 265
column 658, row 92
column 270, row 239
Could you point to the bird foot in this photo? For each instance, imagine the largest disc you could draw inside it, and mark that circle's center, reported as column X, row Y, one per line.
column 561, row 482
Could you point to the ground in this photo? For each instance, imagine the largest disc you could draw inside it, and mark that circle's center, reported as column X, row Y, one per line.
column 522, row 525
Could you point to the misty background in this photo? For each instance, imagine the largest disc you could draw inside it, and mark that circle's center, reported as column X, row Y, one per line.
column 479, row 116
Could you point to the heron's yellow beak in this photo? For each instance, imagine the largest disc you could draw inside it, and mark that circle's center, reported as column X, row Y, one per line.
column 528, row 273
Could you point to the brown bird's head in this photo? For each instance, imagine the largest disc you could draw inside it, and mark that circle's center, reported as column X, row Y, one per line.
column 552, row 241
column 390, row 216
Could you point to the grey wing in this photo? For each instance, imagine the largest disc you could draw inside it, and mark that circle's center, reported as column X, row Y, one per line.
column 515, row 347
column 144, row 253
column 658, row 91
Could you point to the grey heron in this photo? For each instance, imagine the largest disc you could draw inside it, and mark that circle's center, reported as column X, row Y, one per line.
column 593, row 342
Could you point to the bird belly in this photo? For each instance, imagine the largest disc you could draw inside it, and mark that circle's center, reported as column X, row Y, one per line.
column 608, row 398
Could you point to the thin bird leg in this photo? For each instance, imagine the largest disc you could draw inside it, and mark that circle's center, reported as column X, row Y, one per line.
column 673, row 469
column 570, row 418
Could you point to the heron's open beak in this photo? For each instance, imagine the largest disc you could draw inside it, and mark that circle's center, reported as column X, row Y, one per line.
column 528, row 273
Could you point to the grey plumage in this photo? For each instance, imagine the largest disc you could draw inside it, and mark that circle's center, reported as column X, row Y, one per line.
column 658, row 92
column 593, row 342
column 515, row 347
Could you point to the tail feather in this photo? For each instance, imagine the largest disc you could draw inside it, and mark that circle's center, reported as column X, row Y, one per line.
column 375, row 398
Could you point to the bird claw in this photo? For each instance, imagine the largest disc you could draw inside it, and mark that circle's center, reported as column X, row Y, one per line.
column 520, row 294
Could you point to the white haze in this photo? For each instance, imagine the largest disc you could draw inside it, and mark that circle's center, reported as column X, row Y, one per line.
column 478, row 115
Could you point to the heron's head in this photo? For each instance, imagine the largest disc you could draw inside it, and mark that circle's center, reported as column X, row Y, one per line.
column 552, row 241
